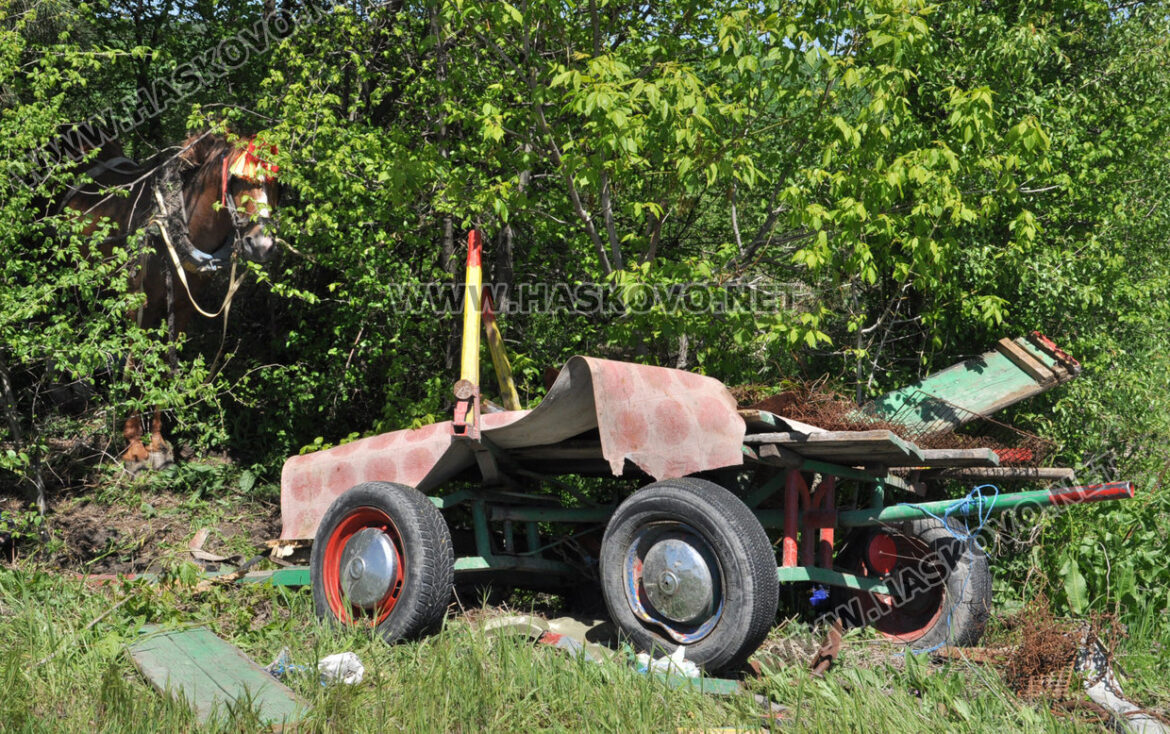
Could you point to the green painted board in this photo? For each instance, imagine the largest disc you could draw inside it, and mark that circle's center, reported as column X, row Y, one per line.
column 291, row 576
column 714, row 686
column 211, row 674
column 975, row 387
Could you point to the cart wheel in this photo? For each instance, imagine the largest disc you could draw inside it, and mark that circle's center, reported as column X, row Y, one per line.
column 383, row 558
column 684, row 562
column 941, row 585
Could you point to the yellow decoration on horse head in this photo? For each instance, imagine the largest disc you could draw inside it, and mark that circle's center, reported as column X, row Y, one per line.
column 250, row 167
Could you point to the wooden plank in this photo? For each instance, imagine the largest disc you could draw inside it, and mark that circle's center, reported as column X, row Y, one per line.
column 775, row 455
column 942, row 458
column 207, row 672
column 848, row 447
column 1040, row 474
column 979, row 386
column 1025, row 361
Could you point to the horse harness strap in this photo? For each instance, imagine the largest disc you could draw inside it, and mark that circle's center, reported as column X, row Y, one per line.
column 233, row 282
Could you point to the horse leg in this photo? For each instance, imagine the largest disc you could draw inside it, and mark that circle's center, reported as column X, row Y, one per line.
column 161, row 453
column 135, row 456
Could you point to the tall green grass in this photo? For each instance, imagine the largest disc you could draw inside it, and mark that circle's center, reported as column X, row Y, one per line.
column 455, row 681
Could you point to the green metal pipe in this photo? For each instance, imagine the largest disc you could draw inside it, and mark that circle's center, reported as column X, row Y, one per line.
column 551, row 514
column 513, row 563
column 1002, row 503
column 483, row 538
column 829, row 577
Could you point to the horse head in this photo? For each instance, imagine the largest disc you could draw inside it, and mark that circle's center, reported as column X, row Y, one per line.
column 231, row 197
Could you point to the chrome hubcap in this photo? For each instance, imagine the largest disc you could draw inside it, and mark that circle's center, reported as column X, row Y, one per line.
column 678, row 581
column 673, row 581
column 369, row 565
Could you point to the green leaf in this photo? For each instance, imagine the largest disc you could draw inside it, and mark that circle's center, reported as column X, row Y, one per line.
column 1075, row 588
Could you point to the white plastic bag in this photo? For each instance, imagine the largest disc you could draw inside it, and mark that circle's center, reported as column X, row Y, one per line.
column 675, row 664
column 344, row 667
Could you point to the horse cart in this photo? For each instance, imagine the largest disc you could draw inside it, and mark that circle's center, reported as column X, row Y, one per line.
column 701, row 514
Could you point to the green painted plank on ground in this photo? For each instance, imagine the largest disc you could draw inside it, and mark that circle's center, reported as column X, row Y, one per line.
column 211, row 674
column 714, row 686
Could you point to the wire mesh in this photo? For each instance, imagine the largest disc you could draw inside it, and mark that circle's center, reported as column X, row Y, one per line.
column 931, row 422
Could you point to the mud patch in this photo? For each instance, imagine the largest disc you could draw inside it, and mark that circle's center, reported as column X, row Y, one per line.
column 83, row 536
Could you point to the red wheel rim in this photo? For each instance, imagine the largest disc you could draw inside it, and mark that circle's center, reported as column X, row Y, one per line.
column 909, row 620
column 360, row 519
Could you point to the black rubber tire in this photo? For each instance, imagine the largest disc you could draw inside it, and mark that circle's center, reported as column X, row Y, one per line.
column 746, row 561
column 959, row 580
column 429, row 560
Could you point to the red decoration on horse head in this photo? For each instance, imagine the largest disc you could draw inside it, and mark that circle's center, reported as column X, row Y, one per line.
column 249, row 166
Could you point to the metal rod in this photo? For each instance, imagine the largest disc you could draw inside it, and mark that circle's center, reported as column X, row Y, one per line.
column 512, row 563
column 1003, row 503
column 829, row 502
column 769, row 488
column 500, row 361
column 483, row 540
column 791, row 509
column 552, row 514
column 831, row 578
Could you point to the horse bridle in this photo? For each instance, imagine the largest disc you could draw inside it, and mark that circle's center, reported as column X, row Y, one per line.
column 205, row 262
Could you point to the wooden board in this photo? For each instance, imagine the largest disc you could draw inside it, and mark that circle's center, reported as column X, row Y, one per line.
column 1023, row 359
column 979, row 386
column 209, row 673
column 853, row 448
column 1040, row 474
column 959, row 458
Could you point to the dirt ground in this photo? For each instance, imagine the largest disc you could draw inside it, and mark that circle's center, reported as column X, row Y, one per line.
column 96, row 538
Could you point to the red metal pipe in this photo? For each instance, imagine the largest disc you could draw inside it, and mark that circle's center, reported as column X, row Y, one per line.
column 1091, row 493
column 793, row 484
column 828, row 504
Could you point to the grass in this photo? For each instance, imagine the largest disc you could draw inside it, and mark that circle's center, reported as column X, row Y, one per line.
column 455, row 681
column 64, row 666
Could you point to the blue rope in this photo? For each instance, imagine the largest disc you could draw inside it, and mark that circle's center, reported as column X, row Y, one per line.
column 983, row 514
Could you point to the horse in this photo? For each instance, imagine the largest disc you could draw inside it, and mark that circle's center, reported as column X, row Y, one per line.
column 203, row 206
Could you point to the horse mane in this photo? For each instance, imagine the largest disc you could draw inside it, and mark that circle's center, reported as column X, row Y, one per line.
column 202, row 153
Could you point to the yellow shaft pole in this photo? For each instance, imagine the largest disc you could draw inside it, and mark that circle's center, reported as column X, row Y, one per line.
column 500, row 361
column 472, row 305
